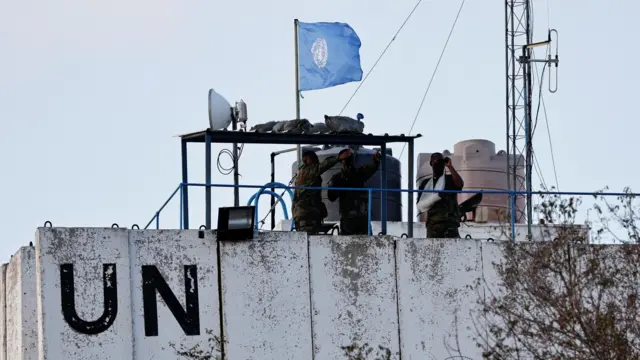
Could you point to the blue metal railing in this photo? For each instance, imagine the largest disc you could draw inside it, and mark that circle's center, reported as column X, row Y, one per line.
column 263, row 190
column 512, row 196
column 256, row 197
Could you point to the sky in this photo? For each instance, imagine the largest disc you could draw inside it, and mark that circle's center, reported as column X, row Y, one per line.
column 93, row 93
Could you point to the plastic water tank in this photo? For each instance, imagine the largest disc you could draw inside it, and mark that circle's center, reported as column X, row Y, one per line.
column 364, row 156
column 481, row 168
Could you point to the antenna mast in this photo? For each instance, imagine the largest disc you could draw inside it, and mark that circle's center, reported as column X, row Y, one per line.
column 519, row 130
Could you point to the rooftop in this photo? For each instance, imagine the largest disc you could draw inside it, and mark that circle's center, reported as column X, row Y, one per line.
column 226, row 136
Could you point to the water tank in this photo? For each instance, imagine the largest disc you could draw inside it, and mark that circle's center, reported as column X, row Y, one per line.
column 481, row 168
column 364, row 156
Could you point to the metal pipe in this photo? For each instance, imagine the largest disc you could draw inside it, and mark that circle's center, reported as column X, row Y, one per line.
column 279, row 185
column 284, row 151
column 164, row 205
column 369, row 213
column 236, row 174
column 410, row 192
column 513, row 216
column 273, row 189
column 207, row 180
column 526, row 76
column 256, row 198
column 157, row 220
column 510, row 186
column 181, row 200
column 185, row 191
column 383, row 193
column 504, row 192
column 273, row 180
column 295, row 40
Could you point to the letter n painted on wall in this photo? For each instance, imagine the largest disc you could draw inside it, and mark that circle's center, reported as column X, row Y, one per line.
column 68, row 301
column 152, row 282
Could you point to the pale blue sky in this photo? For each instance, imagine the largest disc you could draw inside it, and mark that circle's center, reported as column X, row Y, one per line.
column 92, row 93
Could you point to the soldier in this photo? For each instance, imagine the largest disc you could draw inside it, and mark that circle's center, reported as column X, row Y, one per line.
column 353, row 204
column 443, row 216
column 308, row 208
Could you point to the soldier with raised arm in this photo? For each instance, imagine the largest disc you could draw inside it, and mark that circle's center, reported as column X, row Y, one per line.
column 354, row 219
column 308, row 208
column 443, row 216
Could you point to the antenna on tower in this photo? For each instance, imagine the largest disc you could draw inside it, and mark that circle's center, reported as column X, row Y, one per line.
column 519, row 130
column 553, row 59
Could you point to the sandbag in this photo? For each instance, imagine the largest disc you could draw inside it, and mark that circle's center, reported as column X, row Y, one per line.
column 319, row 128
column 343, row 124
column 297, row 126
column 263, row 128
column 278, row 127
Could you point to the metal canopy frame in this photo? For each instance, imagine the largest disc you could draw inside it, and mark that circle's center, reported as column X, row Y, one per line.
column 209, row 137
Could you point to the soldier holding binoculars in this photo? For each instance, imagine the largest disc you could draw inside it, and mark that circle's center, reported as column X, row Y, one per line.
column 443, row 215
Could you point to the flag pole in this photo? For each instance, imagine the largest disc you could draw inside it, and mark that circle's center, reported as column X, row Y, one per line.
column 295, row 32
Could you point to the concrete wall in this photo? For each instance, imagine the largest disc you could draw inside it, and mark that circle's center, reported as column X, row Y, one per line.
column 145, row 294
column 84, row 294
column 21, row 321
column 468, row 230
column 353, row 293
column 265, row 293
column 3, row 317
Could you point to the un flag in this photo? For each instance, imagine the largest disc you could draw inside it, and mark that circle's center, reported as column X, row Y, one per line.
column 328, row 55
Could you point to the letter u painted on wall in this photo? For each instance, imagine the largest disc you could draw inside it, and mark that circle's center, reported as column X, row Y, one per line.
column 152, row 283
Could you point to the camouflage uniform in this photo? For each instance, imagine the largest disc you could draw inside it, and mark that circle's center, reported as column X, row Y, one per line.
column 308, row 208
column 354, row 218
column 443, row 219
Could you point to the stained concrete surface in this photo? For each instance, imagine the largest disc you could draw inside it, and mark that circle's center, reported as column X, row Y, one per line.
column 284, row 295
column 437, row 286
column 21, row 320
column 88, row 249
column 170, row 252
column 265, row 287
column 353, row 293
column 3, row 316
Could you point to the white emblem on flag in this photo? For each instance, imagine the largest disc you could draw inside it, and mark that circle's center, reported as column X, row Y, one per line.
column 320, row 52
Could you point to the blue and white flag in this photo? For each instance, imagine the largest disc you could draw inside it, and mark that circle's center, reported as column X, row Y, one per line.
column 328, row 55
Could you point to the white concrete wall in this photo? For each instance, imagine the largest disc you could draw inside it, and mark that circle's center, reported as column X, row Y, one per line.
column 3, row 308
column 353, row 293
column 170, row 252
column 265, row 287
column 21, row 320
column 96, row 255
column 436, row 295
column 468, row 230
column 284, row 295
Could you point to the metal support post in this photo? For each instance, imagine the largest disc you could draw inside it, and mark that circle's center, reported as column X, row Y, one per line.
column 236, row 189
column 369, row 212
column 526, row 72
column 273, row 189
column 383, row 185
column 207, row 188
column 512, row 197
column 185, row 190
column 517, row 34
column 181, row 209
column 295, row 39
column 410, row 192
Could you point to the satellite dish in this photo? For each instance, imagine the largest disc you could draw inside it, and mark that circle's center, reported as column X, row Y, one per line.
column 219, row 111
